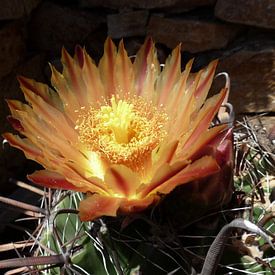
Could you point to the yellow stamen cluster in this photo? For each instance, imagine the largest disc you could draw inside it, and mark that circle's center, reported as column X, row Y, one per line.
column 123, row 131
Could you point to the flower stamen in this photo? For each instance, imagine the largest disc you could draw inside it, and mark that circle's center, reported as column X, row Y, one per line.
column 123, row 131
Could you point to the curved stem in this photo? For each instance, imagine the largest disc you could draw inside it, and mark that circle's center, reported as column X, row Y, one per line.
column 215, row 251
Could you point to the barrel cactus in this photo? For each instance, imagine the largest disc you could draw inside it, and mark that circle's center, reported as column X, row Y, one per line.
column 118, row 141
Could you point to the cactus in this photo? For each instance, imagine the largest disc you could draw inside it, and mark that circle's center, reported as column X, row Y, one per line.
column 186, row 189
column 62, row 243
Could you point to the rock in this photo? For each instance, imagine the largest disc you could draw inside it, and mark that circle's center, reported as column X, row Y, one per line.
column 195, row 35
column 127, row 24
column 249, row 12
column 132, row 45
column 251, row 69
column 54, row 26
column 12, row 47
column 168, row 5
column 14, row 9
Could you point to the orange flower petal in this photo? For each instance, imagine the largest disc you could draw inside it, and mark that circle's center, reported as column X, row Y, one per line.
column 54, row 180
column 38, row 132
column 178, row 97
column 165, row 153
column 51, row 115
column 15, row 105
column 77, row 176
column 161, row 175
column 146, row 68
column 107, row 67
column 16, row 124
column 205, row 82
column 221, row 147
column 72, row 73
column 30, row 150
column 91, row 77
column 122, row 180
column 204, row 118
column 184, row 109
column 124, row 74
column 195, row 150
column 95, row 206
column 66, row 94
column 203, row 167
column 42, row 90
column 195, row 89
column 169, row 75
column 58, row 154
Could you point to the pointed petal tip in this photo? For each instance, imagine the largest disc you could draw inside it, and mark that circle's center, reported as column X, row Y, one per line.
column 78, row 47
column 149, row 42
column 15, row 123
column 176, row 53
column 20, row 78
column 23, row 144
column 11, row 103
column 215, row 61
column 198, row 169
column 65, row 56
column 147, row 45
column 95, row 206
column 121, row 45
column 178, row 48
column 189, row 65
column 109, row 43
column 121, row 41
column 149, row 39
column 15, row 105
column 53, row 180
column 53, row 69
column 63, row 49
column 79, row 55
column 25, row 82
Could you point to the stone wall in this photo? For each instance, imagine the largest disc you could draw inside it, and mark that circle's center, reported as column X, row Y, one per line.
column 241, row 33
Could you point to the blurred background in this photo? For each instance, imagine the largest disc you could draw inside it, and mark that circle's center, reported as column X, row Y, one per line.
column 241, row 33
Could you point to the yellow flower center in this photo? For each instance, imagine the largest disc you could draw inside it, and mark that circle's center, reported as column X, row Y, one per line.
column 123, row 131
column 118, row 118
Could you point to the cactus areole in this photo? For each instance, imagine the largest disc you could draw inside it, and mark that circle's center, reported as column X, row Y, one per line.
column 125, row 133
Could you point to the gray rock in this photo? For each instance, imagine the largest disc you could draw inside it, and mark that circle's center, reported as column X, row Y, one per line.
column 195, row 35
column 260, row 13
column 251, row 69
column 54, row 26
column 12, row 47
column 127, row 24
column 14, row 9
column 168, row 5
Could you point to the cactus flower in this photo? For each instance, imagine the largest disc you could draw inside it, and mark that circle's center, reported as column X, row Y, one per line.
column 124, row 133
